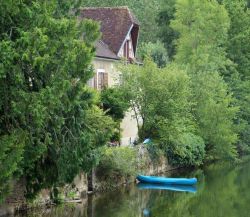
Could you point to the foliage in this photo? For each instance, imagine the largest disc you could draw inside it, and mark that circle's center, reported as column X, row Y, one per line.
column 203, row 55
column 166, row 33
column 163, row 103
column 66, row 7
column 238, row 44
column 155, row 152
column 114, row 103
column 11, row 153
column 187, row 150
column 238, row 51
column 117, row 161
column 242, row 92
column 45, row 63
column 156, row 51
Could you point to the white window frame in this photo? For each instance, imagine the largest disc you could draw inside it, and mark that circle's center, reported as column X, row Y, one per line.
column 97, row 77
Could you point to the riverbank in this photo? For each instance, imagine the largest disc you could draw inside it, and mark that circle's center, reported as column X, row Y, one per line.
column 99, row 181
column 225, row 187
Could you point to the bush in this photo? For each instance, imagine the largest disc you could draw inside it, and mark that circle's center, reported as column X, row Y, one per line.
column 114, row 103
column 117, row 161
column 187, row 150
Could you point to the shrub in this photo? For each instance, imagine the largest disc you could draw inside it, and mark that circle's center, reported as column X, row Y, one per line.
column 117, row 161
column 114, row 103
column 187, row 150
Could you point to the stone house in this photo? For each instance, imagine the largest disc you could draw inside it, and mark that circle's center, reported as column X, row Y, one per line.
column 120, row 31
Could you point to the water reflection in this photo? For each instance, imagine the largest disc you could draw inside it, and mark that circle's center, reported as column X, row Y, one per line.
column 182, row 188
column 221, row 191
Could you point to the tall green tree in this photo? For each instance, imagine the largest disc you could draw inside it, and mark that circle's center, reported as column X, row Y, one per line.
column 238, row 76
column 203, row 28
column 166, row 33
column 160, row 98
column 47, row 114
column 156, row 51
column 238, row 45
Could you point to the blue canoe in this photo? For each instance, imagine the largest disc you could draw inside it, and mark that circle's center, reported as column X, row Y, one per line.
column 167, row 181
column 182, row 188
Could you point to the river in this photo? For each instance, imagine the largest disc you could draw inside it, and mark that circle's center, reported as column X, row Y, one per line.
column 222, row 191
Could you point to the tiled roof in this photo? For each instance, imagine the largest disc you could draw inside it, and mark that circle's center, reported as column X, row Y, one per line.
column 115, row 24
column 102, row 50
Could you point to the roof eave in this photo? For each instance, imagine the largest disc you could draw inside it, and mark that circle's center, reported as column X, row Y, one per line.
column 108, row 58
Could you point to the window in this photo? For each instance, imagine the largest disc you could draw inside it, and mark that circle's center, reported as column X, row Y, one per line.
column 128, row 49
column 131, row 52
column 101, row 79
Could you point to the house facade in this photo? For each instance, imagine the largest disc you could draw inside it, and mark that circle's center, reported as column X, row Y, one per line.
column 120, row 31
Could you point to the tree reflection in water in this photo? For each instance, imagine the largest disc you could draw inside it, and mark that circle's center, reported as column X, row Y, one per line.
column 222, row 190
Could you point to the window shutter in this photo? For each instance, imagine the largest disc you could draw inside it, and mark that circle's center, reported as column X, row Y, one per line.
column 105, row 80
column 95, row 81
column 127, row 49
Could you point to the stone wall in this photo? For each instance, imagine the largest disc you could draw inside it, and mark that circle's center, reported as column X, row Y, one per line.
column 16, row 200
column 145, row 166
column 77, row 191
column 148, row 166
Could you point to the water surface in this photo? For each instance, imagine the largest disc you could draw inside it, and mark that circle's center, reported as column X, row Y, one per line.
column 222, row 191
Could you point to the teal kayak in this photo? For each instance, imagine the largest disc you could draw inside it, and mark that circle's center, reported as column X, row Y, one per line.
column 167, row 181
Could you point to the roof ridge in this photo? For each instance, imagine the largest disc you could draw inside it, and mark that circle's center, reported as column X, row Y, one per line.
column 130, row 13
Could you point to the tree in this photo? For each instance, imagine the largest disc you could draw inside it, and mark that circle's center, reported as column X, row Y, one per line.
column 158, row 96
column 45, row 63
column 161, row 98
column 166, row 33
column 114, row 103
column 238, row 44
column 156, row 51
column 11, row 152
column 203, row 30
column 238, row 51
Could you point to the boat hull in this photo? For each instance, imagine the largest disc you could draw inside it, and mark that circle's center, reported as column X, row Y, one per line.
column 167, row 181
